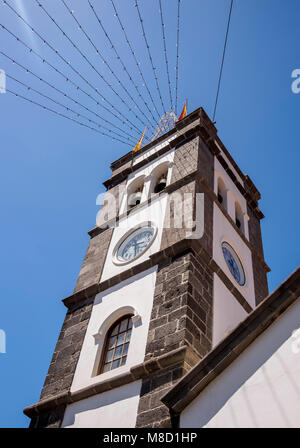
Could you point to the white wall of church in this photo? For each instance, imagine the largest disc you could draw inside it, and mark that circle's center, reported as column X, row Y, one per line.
column 260, row 388
column 233, row 195
column 227, row 312
column 113, row 409
column 134, row 295
column 153, row 212
column 224, row 231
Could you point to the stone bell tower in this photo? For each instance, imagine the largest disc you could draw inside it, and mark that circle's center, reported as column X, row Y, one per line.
column 174, row 264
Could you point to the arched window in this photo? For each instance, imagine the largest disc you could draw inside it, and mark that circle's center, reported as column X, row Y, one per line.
column 222, row 192
column 117, row 344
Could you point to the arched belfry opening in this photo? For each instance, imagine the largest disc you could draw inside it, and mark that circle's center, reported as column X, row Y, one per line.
column 134, row 193
column 222, row 192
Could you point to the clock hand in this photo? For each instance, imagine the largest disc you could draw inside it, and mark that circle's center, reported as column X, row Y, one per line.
column 135, row 248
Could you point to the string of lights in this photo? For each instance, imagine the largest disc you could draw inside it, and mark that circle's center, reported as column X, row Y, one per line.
column 104, row 61
column 165, row 52
column 68, row 63
column 121, row 62
column 150, row 56
column 134, row 57
column 65, row 95
column 177, row 56
column 65, row 116
column 66, row 78
column 92, row 66
column 68, row 109
column 223, row 58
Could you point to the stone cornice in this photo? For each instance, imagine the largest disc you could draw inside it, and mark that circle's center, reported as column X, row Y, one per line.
column 155, row 259
column 233, row 345
column 135, row 373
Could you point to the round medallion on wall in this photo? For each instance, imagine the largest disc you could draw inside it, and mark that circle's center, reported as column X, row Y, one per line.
column 135, row 243
column 234, row 264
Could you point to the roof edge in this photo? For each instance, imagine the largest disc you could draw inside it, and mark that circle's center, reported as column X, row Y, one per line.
column 233, row 345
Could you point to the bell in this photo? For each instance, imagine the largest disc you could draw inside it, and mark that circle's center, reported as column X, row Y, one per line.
column 163, row 180
column 135, row 199
column 161, row 185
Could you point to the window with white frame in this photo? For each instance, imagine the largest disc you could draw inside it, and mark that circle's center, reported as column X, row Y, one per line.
column 116, row 344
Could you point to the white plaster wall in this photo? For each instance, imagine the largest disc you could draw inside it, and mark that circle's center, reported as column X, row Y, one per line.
column 135, row 294
column 227, row 312
column 144, row 155
column 224, row 231
column 229, row 184
column 261, row 388
column 145, row 172
column 233, row 194
column 153, row 212
column 114, row 409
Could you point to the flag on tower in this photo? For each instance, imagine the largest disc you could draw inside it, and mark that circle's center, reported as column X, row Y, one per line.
column 138, row 145
column 183, row 113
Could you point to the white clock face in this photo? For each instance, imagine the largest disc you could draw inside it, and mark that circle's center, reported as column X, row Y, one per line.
column 135, row 244
column 234, row 265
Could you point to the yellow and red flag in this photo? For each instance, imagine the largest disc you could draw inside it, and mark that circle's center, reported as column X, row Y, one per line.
column 138, row 145
column 183, row 113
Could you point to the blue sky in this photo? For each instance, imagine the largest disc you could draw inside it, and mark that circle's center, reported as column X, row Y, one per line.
column 52, row 170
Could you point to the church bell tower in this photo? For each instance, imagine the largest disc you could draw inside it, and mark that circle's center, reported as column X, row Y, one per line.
column 174, row 264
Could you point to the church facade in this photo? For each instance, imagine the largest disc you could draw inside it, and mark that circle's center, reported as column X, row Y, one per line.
column 172, row 292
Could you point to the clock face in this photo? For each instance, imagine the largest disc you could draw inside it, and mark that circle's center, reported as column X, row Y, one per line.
column 234, row 264
column 135, row 244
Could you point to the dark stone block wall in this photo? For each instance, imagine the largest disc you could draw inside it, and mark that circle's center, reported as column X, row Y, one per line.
column 181, row 316
column 172, row 234
column 259, row 272
column 255, row 237
column 206, row 164
column 260, row 280
column 185, row 159
column 63, row 364
column 94, row 260
column 152, row 413
column 62, row 368
column 191, row 157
